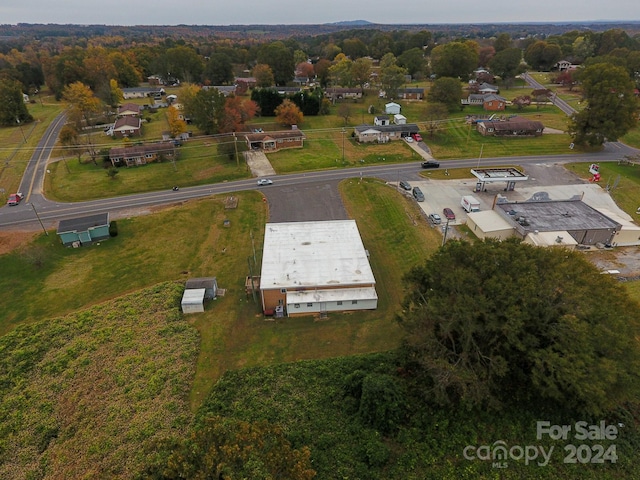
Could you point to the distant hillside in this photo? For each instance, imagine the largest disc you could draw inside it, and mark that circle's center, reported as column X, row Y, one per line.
column 13, row 33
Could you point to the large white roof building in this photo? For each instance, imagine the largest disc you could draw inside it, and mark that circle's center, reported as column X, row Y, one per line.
column 311, row 267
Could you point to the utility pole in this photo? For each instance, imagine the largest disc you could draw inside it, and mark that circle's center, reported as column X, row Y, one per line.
column 21, row 130
column 446, row 230
column 38, row 217
column 343, row 145
column 480, row 156
column 235, row 145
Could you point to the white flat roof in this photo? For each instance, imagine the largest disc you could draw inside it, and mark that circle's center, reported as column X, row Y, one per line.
column 332, row 295
column 307, row 254
column 490, row 221
column 193, row 295
column 547, row 239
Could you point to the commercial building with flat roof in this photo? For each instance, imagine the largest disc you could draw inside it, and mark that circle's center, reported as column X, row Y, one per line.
column 316, row 267
column 585, row 224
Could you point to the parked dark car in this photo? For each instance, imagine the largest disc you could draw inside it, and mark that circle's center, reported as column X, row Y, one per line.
column 405, row 185
column 417, row 194
column 430, row 164
column 448, row 214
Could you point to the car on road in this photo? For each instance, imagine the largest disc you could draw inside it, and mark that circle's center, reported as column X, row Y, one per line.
column 430, row 164
column 435, row 218
column 448, row 214
column 405, row 185
column 15, row 198
column 264, row 181
column 417, row 137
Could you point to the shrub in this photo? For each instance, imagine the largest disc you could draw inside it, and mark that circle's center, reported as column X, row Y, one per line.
column 113, row 229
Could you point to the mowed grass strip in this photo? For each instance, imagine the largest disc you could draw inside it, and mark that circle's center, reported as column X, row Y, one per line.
column 45, row 279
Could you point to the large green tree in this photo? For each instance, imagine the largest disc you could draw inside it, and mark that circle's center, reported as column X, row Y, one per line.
column 455, row 59
column 218, row 70
column 496, row 322
column 280, row 58
column 13, row 110
column 206, row 110
column 542, row 55
column 447, row 91
column 392, row 76
column 506, row 64
column 612, row 108
column 413, row 60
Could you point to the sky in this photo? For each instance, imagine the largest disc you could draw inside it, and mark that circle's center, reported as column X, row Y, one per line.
column 251, row 12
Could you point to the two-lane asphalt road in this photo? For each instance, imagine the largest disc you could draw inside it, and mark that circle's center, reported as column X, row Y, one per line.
column 25, row 215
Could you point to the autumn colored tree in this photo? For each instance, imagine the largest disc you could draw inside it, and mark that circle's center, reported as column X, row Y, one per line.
column 288, row 114
column 237, row 112
column 521, row 101
column 305, row 69
column 177, row 125
column 83, row 104
column 69, row 138
column 340, row 71
column 565, row 78
column 263, row 75
column 361, row 71
column 225, row 449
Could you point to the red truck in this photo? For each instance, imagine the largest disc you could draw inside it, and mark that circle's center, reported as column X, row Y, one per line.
column 15, row 198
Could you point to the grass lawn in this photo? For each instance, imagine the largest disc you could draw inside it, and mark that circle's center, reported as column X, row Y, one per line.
column 45, row 279
column 198, row 163
column 627, row 193
column 460, row 140
column 16, row 153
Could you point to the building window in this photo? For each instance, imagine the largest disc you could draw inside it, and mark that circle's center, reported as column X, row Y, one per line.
column 296, row 305
column 309, row 304
column 339, row 302
column 283, row 290
column 354, row 302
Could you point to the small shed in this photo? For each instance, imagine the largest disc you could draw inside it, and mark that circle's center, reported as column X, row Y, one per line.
column 381, row 120
column 399, row 119
column 84, row 230
column 193, row 300
column 210, row 285
column 392, row 108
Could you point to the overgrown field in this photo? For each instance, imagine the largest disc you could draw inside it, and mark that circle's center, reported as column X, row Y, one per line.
column 325, row 404
column 88, row 395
